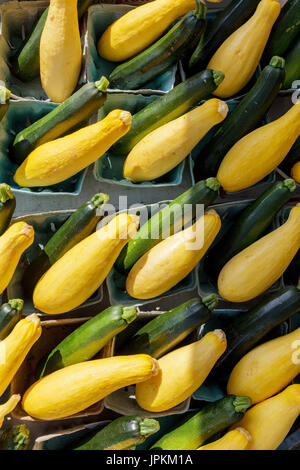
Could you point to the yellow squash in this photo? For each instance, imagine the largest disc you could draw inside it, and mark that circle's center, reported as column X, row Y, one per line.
column 257, row 154
column 171, row 260
column 252, row 271
column 79, row 273
column 270, row 421
column 163, row 149
column 267, row 369
column 238, row 439
column 8, row 407
column 72, row 389
column 17, row 238
column 140, row 27
column 15, row 347
column 60, row 50
column 181, row 373
column 296, row 172
column 239, row 55
column 56, row 161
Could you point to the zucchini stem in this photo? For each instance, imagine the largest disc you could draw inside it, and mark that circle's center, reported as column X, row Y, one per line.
column 210, row 301
column 129, row 314
column 212, row 183
column 218, row 77
column 5, row 193
column 148, row 426
column 100, row 199
column 200, row 10
column 16, row 304
column 241, row 404
column 290, row 184
column 277, row 62
column 102, row 84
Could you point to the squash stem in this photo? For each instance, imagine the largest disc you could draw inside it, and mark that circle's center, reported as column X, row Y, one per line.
column 212, row 183
column 241, row 404
column 277, row 62
column 210, row 301
column 4, row 95
column 102, row 84
column 129, row 314
column 5, row 193
column 100, row 199
column 200, row 10
column 148, row 426
column 290, row 184
column 16, row 304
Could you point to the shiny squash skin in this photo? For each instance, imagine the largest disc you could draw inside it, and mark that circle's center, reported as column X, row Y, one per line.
column 239, row 55
column 171, row 260
column 270, row 421
column 80, row 272
column 181, row 373
column 56, row 161
column 164, row 148
column 75, row 388
column 237, row 439
column 17, row 238
column 296, row 172
column 252, row 271
column 8, row 407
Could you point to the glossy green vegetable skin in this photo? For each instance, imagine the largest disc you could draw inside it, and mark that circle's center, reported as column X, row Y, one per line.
column 66, row 117
column 226, row 22
column 10, row 314
column 248, row 328
column 7, row 206
column 27, row 63
column 285, row 30
column 197, row 429
column 243, row 119
column 249, row 225
column 121, row 434
column 171, row 219
column 292, row 64
column 168, row 107
column 87, row 340
column 164, row 53
column 77, row 227
column 15, row 438
column 167, row 330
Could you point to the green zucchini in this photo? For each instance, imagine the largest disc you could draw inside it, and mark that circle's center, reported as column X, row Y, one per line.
column 249, row 225
column 4, row 101
column 167, row 330
column 226, row 22
column 242, row 120
column 26, row 65
column 168, row 107
column 77, row 227
column 248, row 328
column 197, row 429
column 122, row 434
column 15, row 438
column 292, row 64
column 10, row 314
column 171, row 219
column 87, row 340
column 164, row 53
column 77, row 109
column 7, row 206
column 285, row 30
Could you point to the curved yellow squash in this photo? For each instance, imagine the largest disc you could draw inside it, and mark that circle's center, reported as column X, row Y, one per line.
column 238, row 439
column 296, row 172
column 60, row 50
column 72, row 389
column 181, row 373
column 17, row 238
column 163, row 149
column 267, row 369
column 252, row 271
column 239, row 56
column 270, row 421
column 140, row 27
column 56, row 161
column 162, row 267
column 8, row 407
column 257, row 154
column 81, row 271
column 15, row 347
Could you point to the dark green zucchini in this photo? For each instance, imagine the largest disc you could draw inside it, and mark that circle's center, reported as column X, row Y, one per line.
column 164, row 53
column 285, row 30
column 77, row 227
column 26, row 65
column 122, row 434
column 249, row 225
column 168, row 107
column 197, row 429
column 226, row 22
column 87, row 340
column 7, row 206
column 15, row 438
column 292, row 64
column 167, row 330
column 292, row 157
column 10, row 314
column 4, row 101
column 171, row 219
column 248, row 328
column 77, row 109
column 242, row 120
